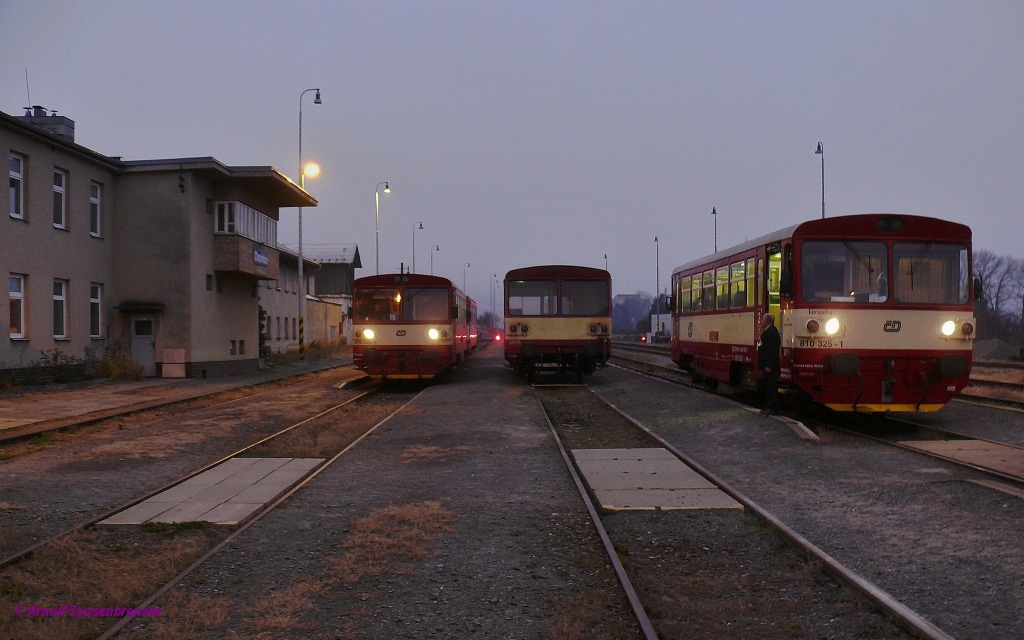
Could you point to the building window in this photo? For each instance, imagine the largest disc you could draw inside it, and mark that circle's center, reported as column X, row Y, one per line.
column 95, row 310
column 95, row 209
column 16, row 289
column 16, row 171
column 225, row 217
column 232, row 347
column 60, row 200
column 241, row 347
column 209, row 282
column 278, row 337
column 60, row 308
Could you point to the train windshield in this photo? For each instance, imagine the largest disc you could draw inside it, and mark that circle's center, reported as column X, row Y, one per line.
column 930, row 273
column 584, row 298
column 843, row 271
column 532, row 298
column 425, row 305
column 376, row 305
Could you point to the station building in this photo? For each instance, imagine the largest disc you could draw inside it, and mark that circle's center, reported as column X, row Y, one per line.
column 163, row 259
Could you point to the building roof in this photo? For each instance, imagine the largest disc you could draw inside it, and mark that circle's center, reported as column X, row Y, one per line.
column 333, row 253
column 267, row 181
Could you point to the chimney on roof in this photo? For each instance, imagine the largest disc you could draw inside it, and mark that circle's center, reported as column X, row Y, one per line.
column 50, row 122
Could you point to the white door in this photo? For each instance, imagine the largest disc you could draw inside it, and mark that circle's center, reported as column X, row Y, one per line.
column 144, row 345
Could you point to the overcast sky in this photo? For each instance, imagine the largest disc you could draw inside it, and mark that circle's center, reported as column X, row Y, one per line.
column 524, row 133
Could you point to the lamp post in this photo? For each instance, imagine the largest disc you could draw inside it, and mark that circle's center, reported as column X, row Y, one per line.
column 376, row 199
column 414, row 228
column 494, row 278
column 606, row 262
column 464, row 277
column 432, row 250
column 657, row 279
column 821, row 152
column 302, row 183
column 714, row 213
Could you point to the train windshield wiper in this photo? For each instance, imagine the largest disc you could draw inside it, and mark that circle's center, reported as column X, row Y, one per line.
column 917, row 261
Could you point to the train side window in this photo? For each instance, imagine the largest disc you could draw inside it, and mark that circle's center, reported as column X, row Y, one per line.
column 696, row 293
column 722, row 284
column 683, row 295
column 751, row 288
column 760, row 282
column 737, row 283
column 774, row 274
column 708, row 302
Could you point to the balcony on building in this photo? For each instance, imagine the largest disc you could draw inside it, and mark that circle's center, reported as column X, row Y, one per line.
column 245, row 241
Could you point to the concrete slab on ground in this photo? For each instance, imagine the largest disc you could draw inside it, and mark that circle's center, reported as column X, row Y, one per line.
column 226, row 494
column 647, row 479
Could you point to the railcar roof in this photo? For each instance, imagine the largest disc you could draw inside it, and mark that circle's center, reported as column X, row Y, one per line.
column 555, row 271
column 917, row 227
column 402, row 279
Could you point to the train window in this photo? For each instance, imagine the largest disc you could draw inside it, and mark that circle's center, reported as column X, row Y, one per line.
column 843, row 271
column 532, row 298
column 722, row 284
column 425, row 305
column 696, row 293
column 584, row 298
column 751, row 288
column 737, row 283
column 930, row 273
column 683, row 294
column 375, row 305
column 708, row 302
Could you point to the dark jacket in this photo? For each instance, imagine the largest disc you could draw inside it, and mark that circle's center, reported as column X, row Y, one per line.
column 768, row 348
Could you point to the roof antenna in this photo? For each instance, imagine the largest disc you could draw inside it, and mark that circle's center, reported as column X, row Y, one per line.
column 28, row 94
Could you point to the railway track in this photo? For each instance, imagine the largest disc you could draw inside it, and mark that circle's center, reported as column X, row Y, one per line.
column 584, row 423
column 1001, row 460
column 314, row 436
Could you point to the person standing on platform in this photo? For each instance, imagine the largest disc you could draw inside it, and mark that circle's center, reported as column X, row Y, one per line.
column 768, row 347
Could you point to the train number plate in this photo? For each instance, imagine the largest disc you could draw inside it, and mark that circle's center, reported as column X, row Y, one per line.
column 819, row 343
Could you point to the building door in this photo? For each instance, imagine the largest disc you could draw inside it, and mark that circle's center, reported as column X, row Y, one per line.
column 144, row 344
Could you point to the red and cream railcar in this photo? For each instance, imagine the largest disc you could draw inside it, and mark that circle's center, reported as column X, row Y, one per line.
column 876, row 311
column 558, row 318
column 409, row 326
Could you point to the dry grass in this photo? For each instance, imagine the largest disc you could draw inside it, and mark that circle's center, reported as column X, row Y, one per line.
column 386, row 541
column 326, row 436
column 429, row 452
column 388, row 538
column 98, row 568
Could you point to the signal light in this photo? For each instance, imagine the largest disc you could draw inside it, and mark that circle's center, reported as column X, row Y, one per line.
column 813, row 326
column 967, row 328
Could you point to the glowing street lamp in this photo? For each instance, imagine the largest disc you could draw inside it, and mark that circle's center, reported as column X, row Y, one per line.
column 302, row 183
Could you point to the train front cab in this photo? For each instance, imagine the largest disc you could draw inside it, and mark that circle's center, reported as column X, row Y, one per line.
column 557, row 320
column 407, row 326
column 882, row 319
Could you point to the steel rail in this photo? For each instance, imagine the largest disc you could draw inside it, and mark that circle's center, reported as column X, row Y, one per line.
column 903, row 614
column 121, row 623
column 613, row 556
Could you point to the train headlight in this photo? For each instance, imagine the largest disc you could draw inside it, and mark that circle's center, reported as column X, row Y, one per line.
column 513, row 328
column 813, row 326
column 369, row 334
column 948, row 327
column 433, row 334
column 525, row 329
column 832, row 326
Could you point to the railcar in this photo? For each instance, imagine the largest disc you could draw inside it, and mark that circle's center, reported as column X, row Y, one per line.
column 875, row 311
column 558, row 319
column 410, row 326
